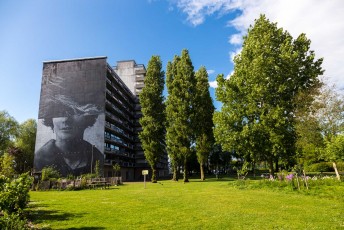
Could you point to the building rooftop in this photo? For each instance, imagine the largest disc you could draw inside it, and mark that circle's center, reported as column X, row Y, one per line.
column 76, row 59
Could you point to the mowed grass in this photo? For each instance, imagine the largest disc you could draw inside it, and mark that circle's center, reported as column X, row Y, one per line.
column 211, row 204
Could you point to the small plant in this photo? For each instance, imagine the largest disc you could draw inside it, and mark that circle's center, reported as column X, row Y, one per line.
column 243, row 171
column 97, row 169
column 117, row 169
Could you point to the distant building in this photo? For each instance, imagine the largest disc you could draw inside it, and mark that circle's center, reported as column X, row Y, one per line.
column 89, row 112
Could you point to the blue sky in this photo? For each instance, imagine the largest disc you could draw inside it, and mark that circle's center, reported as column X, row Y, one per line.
column 40, row 30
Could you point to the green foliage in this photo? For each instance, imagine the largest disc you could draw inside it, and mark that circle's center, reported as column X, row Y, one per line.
column 180, row 111
column 25, row 145
column 97, row 169
column 320, row 167
column 340, row 166
column 117, row 169
column 7, row 165
column 153, row 116
column 257, row 118
column 329, row 112
column 14, row 193
column 319, row 186
column 335, row 149
column 49, row 173
column 204, row 110
column 8, row 131
column 89, row 175
column 219, row 160
column 13, row 222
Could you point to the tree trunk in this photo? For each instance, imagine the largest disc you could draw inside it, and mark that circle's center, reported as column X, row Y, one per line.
column 336, row 170
column 175, row 173
column 186, row 173
column 276, row 165
column 154, row 179
column 202, row 172
column 271, row 167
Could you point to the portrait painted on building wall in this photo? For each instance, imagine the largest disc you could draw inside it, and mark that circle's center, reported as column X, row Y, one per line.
column 70, row 131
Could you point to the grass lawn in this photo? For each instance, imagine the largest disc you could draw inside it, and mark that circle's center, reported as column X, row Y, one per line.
column 211, row 204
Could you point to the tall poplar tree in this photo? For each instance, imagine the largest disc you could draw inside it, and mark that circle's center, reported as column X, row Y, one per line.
column 180, row 113
column 204, row 110
column 257, row 118
column 171, row 114
column 153, row 115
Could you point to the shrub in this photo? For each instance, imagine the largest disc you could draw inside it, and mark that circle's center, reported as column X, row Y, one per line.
column 14, row 194
column 320, row 167
column 13, row 222
column 49, row 173
column 340, row 166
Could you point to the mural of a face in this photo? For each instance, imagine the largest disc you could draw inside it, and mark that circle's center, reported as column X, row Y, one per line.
column 70, row 136
column 68, row 127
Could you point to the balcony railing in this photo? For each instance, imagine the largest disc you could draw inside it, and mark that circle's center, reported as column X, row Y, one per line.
column 119, row 153
column 118, row 142
column 119, row 81
column 126, row 108
column 118, row 130
column 124, row 124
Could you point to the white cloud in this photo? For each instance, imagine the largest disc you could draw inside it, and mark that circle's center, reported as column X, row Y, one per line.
column 210, row 71
column 229, row 75
column 321, row 21
column 197, row 10
column 235, row 39
column 213, row 84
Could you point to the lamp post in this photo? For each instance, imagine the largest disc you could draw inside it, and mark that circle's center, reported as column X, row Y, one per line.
column 92, row 160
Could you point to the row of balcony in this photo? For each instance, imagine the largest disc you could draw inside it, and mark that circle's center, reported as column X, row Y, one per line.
column 118, row 141
column 112, row 106
column 116, row 88
column 122, row 164
column 118, row 130
column 119, row 81
column 124, row 124
column 119, row 152
column 126, row 108
column 115, row 108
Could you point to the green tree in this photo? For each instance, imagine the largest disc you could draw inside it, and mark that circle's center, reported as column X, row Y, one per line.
column 153, row 115
column 7, row 165
column 328, row 109
column 335, row 151
column 8, row 131
column 257, row 118
column 171, row 114
column 180, row 112
column 25, row 146
column 318, row 123
column 204, row 110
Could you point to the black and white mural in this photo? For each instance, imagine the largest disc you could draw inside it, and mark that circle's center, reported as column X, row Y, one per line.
column 70, row 131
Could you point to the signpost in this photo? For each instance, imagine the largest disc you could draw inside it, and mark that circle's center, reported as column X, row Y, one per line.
column 144, row 173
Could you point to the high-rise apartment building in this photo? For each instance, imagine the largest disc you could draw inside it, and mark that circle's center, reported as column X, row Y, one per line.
column 89, row 114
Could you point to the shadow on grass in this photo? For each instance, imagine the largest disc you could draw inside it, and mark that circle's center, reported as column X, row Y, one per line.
column 39, row 216
column 87, row 228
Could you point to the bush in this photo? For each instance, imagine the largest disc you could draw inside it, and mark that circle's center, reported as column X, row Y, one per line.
column 13, row 222
column 14, row 194
column 49, row 173
column 320, row 167
column 340, row 166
